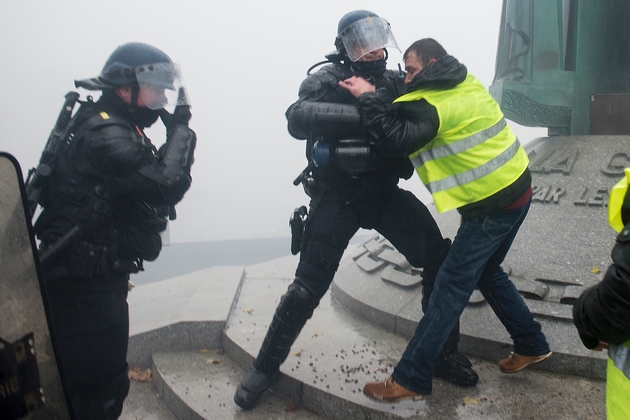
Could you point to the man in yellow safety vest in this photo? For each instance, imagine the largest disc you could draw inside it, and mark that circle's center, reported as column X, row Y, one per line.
column 465, row 153
column 601, row 313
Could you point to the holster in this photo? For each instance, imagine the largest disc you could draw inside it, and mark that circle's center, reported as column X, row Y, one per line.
column 297, row 223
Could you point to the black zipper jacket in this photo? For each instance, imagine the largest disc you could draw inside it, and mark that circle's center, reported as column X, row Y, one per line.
column 402, row 128
column 602, row 312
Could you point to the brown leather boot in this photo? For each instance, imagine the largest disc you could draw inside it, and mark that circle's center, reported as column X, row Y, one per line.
column 389, row 390
column 515, row 362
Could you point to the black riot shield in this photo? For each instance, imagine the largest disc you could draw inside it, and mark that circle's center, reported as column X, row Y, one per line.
column 30, row 380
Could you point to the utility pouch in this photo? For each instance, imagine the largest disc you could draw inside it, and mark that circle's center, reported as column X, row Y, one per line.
column 350, row 156
column 354, row 156
column 297, row 223
column 88, row 259
column 142, row 232
column 142, row 244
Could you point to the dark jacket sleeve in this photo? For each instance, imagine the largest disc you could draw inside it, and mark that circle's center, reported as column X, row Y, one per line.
column 317, row 87
column 400, row 128
column 128, row 162
column 602, row 312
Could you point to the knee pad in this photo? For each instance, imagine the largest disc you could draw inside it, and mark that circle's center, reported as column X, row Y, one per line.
column 295, row 308
column 297, row 303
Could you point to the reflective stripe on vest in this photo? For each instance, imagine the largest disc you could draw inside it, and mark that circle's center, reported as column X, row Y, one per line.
column 461, row 146
column 474, row 154
column 620, row 355
column 618, row 382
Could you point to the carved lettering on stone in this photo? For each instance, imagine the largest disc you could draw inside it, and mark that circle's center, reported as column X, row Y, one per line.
column 558, row 161
column 617, row 163
column 544, row 297
column 548, row 194
column 593, row 197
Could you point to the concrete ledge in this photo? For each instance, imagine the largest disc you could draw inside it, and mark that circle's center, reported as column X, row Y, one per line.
column 398, row 310
column 335, row 354
column 183, row 313
column 182, row 336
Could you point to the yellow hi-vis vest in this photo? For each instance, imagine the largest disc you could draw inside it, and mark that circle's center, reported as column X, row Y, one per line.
column 618, row 369
column 618, row 382
column 475, row 153
column 615, row 201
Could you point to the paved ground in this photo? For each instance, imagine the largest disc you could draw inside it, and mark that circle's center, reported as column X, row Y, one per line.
column 334, row 356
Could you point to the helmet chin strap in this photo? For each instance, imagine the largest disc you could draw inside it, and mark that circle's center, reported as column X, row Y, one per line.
column 135, row 92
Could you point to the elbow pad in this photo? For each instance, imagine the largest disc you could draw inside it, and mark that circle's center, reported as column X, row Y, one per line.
column 177, row 157
column 178, row 152
column 326, row 119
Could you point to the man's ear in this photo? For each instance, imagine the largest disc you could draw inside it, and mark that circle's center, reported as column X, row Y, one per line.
column 431, row 61
column 124, row 92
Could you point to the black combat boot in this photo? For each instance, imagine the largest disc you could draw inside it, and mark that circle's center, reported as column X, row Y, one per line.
column 455, row 368
column 294, row 309
column 252, row 387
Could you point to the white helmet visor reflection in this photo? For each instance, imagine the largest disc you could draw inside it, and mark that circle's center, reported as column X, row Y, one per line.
column 366, row 35
column 161, row 85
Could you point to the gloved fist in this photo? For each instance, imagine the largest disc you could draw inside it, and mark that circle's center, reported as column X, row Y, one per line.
column 180, row 116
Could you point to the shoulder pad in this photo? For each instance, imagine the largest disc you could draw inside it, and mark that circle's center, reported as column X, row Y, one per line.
column 325, row 77
column 103, row 118
column 114, row 145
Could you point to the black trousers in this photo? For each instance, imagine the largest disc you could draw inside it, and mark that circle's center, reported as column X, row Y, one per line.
column 396, row 214
column 393, row 212
column 90, row 320
column 335, row 216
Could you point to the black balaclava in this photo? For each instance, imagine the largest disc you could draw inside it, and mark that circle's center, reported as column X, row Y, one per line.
column 370, row 68
column 142, row 117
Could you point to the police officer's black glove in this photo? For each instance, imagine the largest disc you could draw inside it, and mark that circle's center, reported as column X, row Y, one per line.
column 180, row 116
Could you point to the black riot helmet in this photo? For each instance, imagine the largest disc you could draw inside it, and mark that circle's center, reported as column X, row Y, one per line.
column 360, row 32
column 144, row 67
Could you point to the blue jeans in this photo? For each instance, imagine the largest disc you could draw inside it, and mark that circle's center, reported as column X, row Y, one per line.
column 474, row 259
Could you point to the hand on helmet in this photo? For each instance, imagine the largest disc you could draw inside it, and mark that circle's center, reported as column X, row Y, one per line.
column 180, row 116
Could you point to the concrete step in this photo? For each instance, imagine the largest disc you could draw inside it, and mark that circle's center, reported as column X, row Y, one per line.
column 200, row 386
column 337, row 353
column 144, row 403
column 334, row 356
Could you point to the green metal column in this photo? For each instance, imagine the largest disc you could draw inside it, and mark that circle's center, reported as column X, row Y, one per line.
column 554, row 54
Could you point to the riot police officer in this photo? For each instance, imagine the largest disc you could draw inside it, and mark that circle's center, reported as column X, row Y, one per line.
column 108, row 198
column 350, row 186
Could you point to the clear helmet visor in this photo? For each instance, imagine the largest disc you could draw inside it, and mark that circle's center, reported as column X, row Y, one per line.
column 161, row 85
column 366, row 35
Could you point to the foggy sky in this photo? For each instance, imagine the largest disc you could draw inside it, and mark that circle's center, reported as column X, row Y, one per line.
column 242, row 63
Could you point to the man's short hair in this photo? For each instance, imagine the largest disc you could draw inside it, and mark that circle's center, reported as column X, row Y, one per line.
column 426, row 49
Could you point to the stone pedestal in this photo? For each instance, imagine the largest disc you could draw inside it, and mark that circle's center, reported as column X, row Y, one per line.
column 562, row 248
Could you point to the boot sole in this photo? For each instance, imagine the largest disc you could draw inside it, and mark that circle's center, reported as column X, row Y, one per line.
column 390, row 400
column 458, row 382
